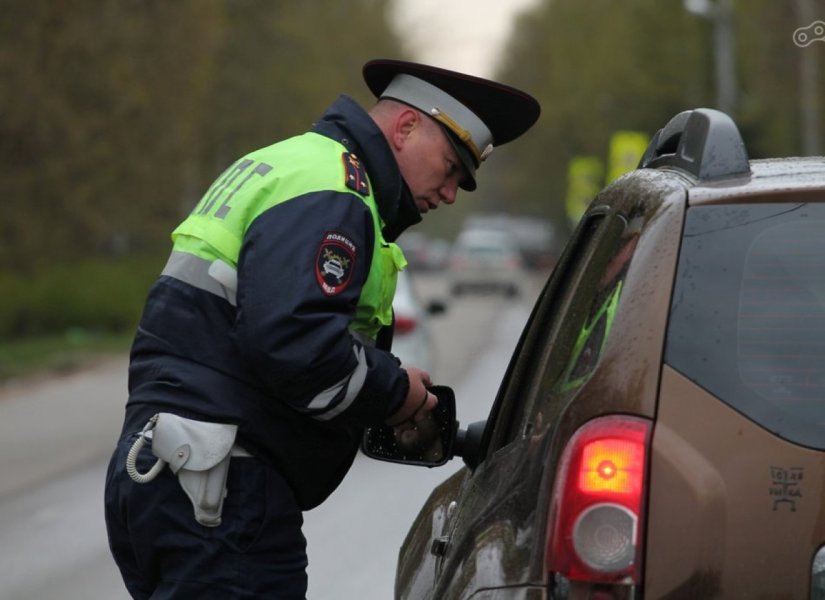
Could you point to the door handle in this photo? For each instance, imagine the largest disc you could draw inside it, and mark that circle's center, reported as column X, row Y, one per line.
column 442, row 542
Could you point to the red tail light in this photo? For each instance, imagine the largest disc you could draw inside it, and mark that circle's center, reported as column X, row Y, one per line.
column 596, row 515
column 404, row 324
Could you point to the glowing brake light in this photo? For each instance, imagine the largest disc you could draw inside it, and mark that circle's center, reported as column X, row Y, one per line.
column 597, row 508
column 612, row 465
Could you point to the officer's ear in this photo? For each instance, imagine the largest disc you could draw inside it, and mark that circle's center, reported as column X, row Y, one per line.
column 405, row 123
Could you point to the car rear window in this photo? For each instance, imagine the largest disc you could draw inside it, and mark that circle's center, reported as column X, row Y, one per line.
column 748, row 313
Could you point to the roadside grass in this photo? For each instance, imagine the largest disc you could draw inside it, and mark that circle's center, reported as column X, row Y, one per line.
column 74, row 350
column 66, row 316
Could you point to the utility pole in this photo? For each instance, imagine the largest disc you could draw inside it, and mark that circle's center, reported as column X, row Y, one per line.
column 720, row 13
column 810, row 128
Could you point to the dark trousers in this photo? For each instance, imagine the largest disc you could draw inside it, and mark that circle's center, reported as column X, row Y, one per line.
column 258, row 551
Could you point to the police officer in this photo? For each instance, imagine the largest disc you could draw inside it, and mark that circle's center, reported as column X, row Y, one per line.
column 264, row 348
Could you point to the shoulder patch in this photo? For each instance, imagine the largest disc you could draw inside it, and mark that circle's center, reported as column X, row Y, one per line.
column 335, row 262
column 355, row 176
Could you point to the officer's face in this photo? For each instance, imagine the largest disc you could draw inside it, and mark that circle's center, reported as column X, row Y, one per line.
column 430, row 165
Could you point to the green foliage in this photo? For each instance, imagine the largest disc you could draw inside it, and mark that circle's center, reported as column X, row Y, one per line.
column 89, row 296
column 280, row 64
column 100, row 104
column 598, row 66
column 73, row 350
column 117, row 114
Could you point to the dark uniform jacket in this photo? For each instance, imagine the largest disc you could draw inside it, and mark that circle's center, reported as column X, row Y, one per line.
column 260, row 362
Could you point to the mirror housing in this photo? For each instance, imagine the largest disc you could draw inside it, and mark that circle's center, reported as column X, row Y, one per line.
column 381, row 442
column 436, row 307
column 468, row 444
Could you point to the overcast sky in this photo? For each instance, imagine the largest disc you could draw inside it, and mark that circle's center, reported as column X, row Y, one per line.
column 463, row 35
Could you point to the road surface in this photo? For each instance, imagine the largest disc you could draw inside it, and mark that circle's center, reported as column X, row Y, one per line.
column 56, row 435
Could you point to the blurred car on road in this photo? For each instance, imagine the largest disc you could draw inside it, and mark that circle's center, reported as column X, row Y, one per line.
column 660, row 430
column 535, row 236
column 412, row 342
column 424, row 253
column 483, row 260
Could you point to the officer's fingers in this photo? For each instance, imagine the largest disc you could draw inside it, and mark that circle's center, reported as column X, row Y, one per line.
column 426, row 408
column 426, row 379
column 419, row 375
column 417, row 397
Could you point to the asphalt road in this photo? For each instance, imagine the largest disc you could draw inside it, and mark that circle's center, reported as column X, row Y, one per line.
column 56, row 435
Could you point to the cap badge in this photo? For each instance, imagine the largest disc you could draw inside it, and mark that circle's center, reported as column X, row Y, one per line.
column 465, row 136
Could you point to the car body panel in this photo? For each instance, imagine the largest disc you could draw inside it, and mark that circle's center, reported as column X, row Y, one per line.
column 417, row 563
column 491, row 538
column 732, row 509
column 503, row 505
column 740, row 500
column 769, row 178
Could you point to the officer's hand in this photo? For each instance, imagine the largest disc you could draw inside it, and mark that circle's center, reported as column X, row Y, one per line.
column 419, row 401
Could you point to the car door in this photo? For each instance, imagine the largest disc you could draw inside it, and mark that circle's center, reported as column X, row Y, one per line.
column 598, row 326
column 495, row 527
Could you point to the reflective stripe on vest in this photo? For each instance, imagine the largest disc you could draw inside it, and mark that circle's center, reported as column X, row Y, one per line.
column 207, row 244
column 220, row 279
column 215, row 229
column 215, row 277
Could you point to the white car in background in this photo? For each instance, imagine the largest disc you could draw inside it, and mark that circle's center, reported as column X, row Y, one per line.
column 486, row 260
column 411, row 341
column 424, row 253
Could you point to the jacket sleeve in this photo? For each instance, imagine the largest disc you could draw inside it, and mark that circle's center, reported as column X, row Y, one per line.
column 300, row 273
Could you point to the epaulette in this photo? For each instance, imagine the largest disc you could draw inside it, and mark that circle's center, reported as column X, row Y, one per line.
column 355, row 176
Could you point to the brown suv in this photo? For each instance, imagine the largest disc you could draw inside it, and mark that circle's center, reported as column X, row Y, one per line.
column 660, row 431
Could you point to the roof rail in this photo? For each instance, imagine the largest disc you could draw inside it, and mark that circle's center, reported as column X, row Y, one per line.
column 703, row 142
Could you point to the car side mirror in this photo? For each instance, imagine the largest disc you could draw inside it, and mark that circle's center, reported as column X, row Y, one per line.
column 436, row 307
column 468, row 444
column 433, row 448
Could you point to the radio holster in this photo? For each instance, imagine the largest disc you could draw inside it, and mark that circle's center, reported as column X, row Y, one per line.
column 198, row 452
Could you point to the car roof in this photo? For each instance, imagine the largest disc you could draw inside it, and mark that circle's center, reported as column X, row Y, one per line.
column 704, row 146
column 803, row 178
